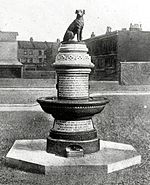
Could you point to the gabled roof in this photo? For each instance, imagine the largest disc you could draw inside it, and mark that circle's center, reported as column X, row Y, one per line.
column 39, row 45
column 8, row 36
column 25, row 45
column 50, row 44
column 101, row 36
column 34, row 45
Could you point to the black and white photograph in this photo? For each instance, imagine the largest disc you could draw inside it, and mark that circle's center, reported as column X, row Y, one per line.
column 74, row 92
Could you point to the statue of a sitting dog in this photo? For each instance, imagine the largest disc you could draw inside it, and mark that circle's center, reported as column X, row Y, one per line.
column 75, row 27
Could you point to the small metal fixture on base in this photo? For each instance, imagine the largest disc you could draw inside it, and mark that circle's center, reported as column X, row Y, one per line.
column 73, row 132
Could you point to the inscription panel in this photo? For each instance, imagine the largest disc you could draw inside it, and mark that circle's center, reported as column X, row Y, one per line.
column 73, row 126
column 73, row 86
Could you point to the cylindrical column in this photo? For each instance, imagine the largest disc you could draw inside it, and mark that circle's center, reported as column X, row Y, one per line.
column 73, row 83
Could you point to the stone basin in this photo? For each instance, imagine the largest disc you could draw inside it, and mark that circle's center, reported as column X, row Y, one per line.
column 76, row 109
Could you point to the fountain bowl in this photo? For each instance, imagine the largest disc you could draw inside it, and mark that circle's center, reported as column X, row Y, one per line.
column 72, row 110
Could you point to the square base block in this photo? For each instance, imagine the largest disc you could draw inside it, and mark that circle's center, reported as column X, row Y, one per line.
column 31, row 155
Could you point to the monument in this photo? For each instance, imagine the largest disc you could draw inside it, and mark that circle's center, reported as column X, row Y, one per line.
column 73, row 132
column 72, row 141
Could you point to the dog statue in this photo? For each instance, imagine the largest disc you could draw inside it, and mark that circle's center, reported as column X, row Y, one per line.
column 75, row 27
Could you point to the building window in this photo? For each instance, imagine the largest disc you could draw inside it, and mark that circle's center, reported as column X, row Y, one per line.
column 101, row 63
column 26, row 60
column 31, row 60
column 40, row 52
column 108, row 62
column 25, row 52
column 45, row 52
column 40, row 60
column 30, row 52
column 114, row 46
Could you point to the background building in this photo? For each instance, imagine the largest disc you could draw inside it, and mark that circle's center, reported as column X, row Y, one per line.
column 121, row 55
column 9, row 65
column 103, row 52
column 37, row 57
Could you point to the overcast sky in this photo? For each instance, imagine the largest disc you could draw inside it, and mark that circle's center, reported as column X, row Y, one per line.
column 47, row 20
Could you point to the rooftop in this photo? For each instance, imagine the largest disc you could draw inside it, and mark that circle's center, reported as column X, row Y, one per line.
column 35, row 45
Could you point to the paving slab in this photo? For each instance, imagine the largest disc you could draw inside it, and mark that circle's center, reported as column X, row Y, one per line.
column 31, row 155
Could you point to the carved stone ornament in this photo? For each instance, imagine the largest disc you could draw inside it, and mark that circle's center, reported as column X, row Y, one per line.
column 73, row 55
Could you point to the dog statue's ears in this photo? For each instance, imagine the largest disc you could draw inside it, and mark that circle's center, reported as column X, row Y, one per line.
column 76, row 12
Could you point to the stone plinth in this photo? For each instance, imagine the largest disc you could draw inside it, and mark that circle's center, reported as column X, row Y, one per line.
column 135, row 73
column 31, row 155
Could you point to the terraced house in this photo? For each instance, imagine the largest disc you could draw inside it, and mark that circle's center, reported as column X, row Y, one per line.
column 36, row 56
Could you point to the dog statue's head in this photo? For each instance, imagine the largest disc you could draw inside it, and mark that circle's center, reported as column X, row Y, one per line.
column 80, row 12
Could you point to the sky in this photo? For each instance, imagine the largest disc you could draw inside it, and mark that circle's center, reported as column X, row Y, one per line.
column 47, row 20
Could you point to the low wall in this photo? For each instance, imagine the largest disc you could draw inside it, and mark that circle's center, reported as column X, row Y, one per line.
column 20, row 82
column 39, row 74
column 104, row 75
column 10, row 72
column 135, row 73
